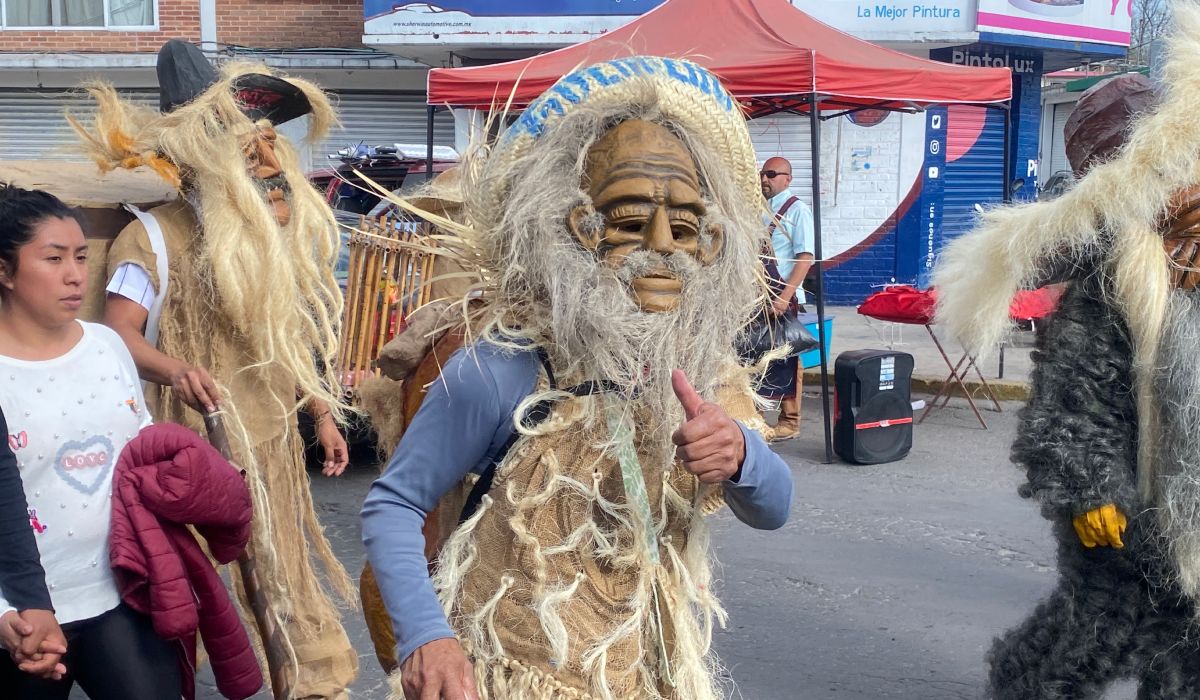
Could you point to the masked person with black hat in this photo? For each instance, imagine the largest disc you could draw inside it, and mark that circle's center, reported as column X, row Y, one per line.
column 225, row 299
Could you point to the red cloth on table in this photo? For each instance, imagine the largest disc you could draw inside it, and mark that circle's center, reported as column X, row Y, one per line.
column 900, row 304
column 166, row 479
column 1035, row 304
column 906, row 304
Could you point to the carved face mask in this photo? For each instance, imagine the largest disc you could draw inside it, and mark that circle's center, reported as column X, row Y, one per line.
column 645, row 193
column 264, row 167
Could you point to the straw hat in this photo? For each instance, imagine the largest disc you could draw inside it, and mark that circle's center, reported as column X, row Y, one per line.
column 685, row 94
column 443, row 196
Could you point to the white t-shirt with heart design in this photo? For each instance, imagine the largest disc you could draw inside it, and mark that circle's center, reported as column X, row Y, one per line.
column 68, row 420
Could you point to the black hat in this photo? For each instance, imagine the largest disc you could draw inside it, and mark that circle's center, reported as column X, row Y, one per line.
column 184, row 73
column 264, row 96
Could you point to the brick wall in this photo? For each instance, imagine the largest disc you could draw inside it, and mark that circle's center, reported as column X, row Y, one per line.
column 290, row 23
column 177, row 20
column 254, row 23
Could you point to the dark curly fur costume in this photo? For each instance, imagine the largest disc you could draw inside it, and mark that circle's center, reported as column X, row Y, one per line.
column 1114, row 613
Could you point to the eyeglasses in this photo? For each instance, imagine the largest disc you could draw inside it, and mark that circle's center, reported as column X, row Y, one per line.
column 772, row 174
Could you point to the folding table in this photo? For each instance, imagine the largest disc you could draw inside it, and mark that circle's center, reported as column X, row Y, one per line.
column 905, row 304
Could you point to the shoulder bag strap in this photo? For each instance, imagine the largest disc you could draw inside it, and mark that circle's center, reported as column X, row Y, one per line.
column 533, row 417
column 782, row 212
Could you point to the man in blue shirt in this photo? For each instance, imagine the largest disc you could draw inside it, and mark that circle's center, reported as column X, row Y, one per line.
column 791, row 224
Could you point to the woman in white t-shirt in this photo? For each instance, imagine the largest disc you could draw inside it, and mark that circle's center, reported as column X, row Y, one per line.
column 72, row 398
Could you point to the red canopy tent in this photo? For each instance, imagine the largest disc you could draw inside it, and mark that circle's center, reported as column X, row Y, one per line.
column 764, row 51
column 769, row 55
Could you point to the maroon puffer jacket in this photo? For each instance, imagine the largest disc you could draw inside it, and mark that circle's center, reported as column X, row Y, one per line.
column 168, row 478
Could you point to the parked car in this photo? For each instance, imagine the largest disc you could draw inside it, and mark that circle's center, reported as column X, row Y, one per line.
column 397, row 167
column 1056, row 185
column 393, row 166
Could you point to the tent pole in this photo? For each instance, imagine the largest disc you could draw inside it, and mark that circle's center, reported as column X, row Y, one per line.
column 814, row 133
column 1006, row 196
column 429, row 143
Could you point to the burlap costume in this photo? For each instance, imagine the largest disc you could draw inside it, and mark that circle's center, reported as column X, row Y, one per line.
column 584, row 573
column 608, row 600
column 192, row 327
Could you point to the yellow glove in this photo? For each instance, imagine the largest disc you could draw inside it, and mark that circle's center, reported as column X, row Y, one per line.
column 1100, row 527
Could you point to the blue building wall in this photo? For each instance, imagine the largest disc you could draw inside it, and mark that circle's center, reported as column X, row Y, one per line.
column 975, row 171
column 1027, row 118
column 922, row 254
column 851, row 282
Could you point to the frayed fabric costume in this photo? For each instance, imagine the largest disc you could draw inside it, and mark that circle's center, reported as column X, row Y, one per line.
column 250, row 296
column 584, row 571
column 1112, row 420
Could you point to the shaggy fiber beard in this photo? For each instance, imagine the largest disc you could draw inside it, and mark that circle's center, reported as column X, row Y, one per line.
column 548, row 290
column 287, row 315
column 600, row 332
column 1177, row 387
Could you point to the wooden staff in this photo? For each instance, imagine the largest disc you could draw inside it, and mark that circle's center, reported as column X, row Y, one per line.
column 395, row 310
column 361, row 311
column 260, row 607
column 416, row 269
column 354, row 309
column 378, row 304
column 403, row 285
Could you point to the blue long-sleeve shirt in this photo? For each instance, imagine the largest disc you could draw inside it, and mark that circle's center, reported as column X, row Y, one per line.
column 464, row 422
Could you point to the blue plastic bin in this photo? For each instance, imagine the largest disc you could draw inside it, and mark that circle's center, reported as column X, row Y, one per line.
column 812, row 358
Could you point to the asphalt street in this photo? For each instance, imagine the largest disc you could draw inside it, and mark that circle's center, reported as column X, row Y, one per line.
column 889, row 581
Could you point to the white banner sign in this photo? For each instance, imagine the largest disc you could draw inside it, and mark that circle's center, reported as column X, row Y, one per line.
column 1094, row 21
column 896, row 20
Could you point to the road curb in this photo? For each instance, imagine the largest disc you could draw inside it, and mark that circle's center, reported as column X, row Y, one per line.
column 1004, row 389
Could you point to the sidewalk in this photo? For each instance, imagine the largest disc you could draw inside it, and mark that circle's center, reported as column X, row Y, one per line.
column 852, row 331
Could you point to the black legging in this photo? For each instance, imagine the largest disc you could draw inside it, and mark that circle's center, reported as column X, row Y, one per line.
column 115, row 656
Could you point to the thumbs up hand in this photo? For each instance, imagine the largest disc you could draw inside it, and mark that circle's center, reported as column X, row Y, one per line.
column 709, row 443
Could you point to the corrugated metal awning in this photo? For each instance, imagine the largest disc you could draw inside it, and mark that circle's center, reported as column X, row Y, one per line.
column 32, row 125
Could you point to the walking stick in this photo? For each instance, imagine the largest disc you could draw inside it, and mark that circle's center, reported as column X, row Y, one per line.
column 268, row 631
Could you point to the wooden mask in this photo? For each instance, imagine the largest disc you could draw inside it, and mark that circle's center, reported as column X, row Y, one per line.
column 645, row 187
column 265, row 170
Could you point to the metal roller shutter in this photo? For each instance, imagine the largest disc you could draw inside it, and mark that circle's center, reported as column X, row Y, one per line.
column 32, row 125
column 975, row 176
column 786, row 135
column 383, row 118
column 1058, row 142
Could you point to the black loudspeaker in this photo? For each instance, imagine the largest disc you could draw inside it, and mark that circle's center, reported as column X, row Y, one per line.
column 873, row 406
